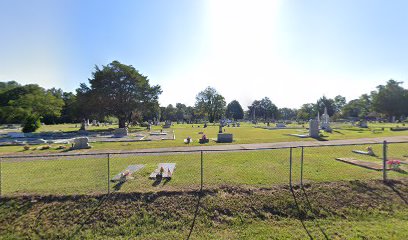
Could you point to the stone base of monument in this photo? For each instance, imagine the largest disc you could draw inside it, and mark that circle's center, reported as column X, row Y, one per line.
column 81, row 143
column 120, row 132
column 224, row 138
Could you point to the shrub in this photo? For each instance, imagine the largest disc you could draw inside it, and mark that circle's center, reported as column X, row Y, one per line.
column 31, row 124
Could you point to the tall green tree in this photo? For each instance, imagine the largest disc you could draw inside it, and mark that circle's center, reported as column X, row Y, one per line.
column 391, row 99
column 269, row 111
column 29, row 102
column 210, row 103
column 180, row 111
column 328, row 103
column 170, row 113
column 234, row 110
column 307, row 111
column 263, row 109
column 287, row 113
column 118, row 90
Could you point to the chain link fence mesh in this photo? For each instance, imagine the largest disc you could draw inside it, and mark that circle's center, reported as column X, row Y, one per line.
column 54, row 175
column 186, row 174
column 253, row 168
column 259, row 168
column 343, row 162
column 397, row 160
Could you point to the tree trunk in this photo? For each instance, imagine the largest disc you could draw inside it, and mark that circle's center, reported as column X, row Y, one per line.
column 122, row 122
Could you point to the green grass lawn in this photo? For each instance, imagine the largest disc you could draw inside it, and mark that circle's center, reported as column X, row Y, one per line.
column 242, row 135
column 253, row 168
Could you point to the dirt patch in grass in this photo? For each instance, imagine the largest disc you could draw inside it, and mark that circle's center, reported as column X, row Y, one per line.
column 214, row 211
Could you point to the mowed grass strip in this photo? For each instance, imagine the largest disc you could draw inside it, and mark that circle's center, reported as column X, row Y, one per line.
column 246, row 134
column 260, row 168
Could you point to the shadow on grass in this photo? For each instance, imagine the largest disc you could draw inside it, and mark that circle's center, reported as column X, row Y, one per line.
column 301, row 214
column 157, row 181
column 118, row 185
column 200, row 195
column 314, row 212
column 104, row 198
column 322, row 139
column 392, row 185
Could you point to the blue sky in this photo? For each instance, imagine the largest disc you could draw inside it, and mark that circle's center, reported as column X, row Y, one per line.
column 290, row 51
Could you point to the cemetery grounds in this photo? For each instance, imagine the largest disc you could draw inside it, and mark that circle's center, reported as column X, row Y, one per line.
column 295, row 193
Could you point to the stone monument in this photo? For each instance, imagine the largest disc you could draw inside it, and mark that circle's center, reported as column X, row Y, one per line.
column 81, row 143
column 363, row 124
column 120, row 132
column 83, row 126
column 325, row 122
column 224, row 138
column 313, row 128
column 280, row 125
column 167, row 124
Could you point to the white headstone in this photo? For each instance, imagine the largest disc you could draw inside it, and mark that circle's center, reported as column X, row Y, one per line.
column 325, row 122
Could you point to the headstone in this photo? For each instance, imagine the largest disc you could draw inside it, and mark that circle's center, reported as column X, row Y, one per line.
column 224, row 137
column 314, row 128
column 120, row 132
column 167, row 124
column 220, row 129
column 238, row 124
column 81, row 143
column 94, row 122
column 83, row 126
column 325, row 121
column 363, row 124
column 149, row 127
column 280, row 125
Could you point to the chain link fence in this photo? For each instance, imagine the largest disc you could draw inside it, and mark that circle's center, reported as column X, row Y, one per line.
column 72, row 174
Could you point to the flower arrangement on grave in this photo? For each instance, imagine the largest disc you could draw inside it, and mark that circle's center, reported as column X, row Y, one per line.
column 126, row 175
column 394, row 164
column 160, row 174
column 204, row 139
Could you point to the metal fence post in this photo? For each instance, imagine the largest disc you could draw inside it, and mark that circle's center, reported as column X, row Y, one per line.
column 202, row 172
column 385, row 161
column 301, row 169
column 108, row 173
column 290, row 168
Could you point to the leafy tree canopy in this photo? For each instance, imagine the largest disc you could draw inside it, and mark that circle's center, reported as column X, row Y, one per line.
column 210, row 103
column 118, row 90
column 234, row 110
